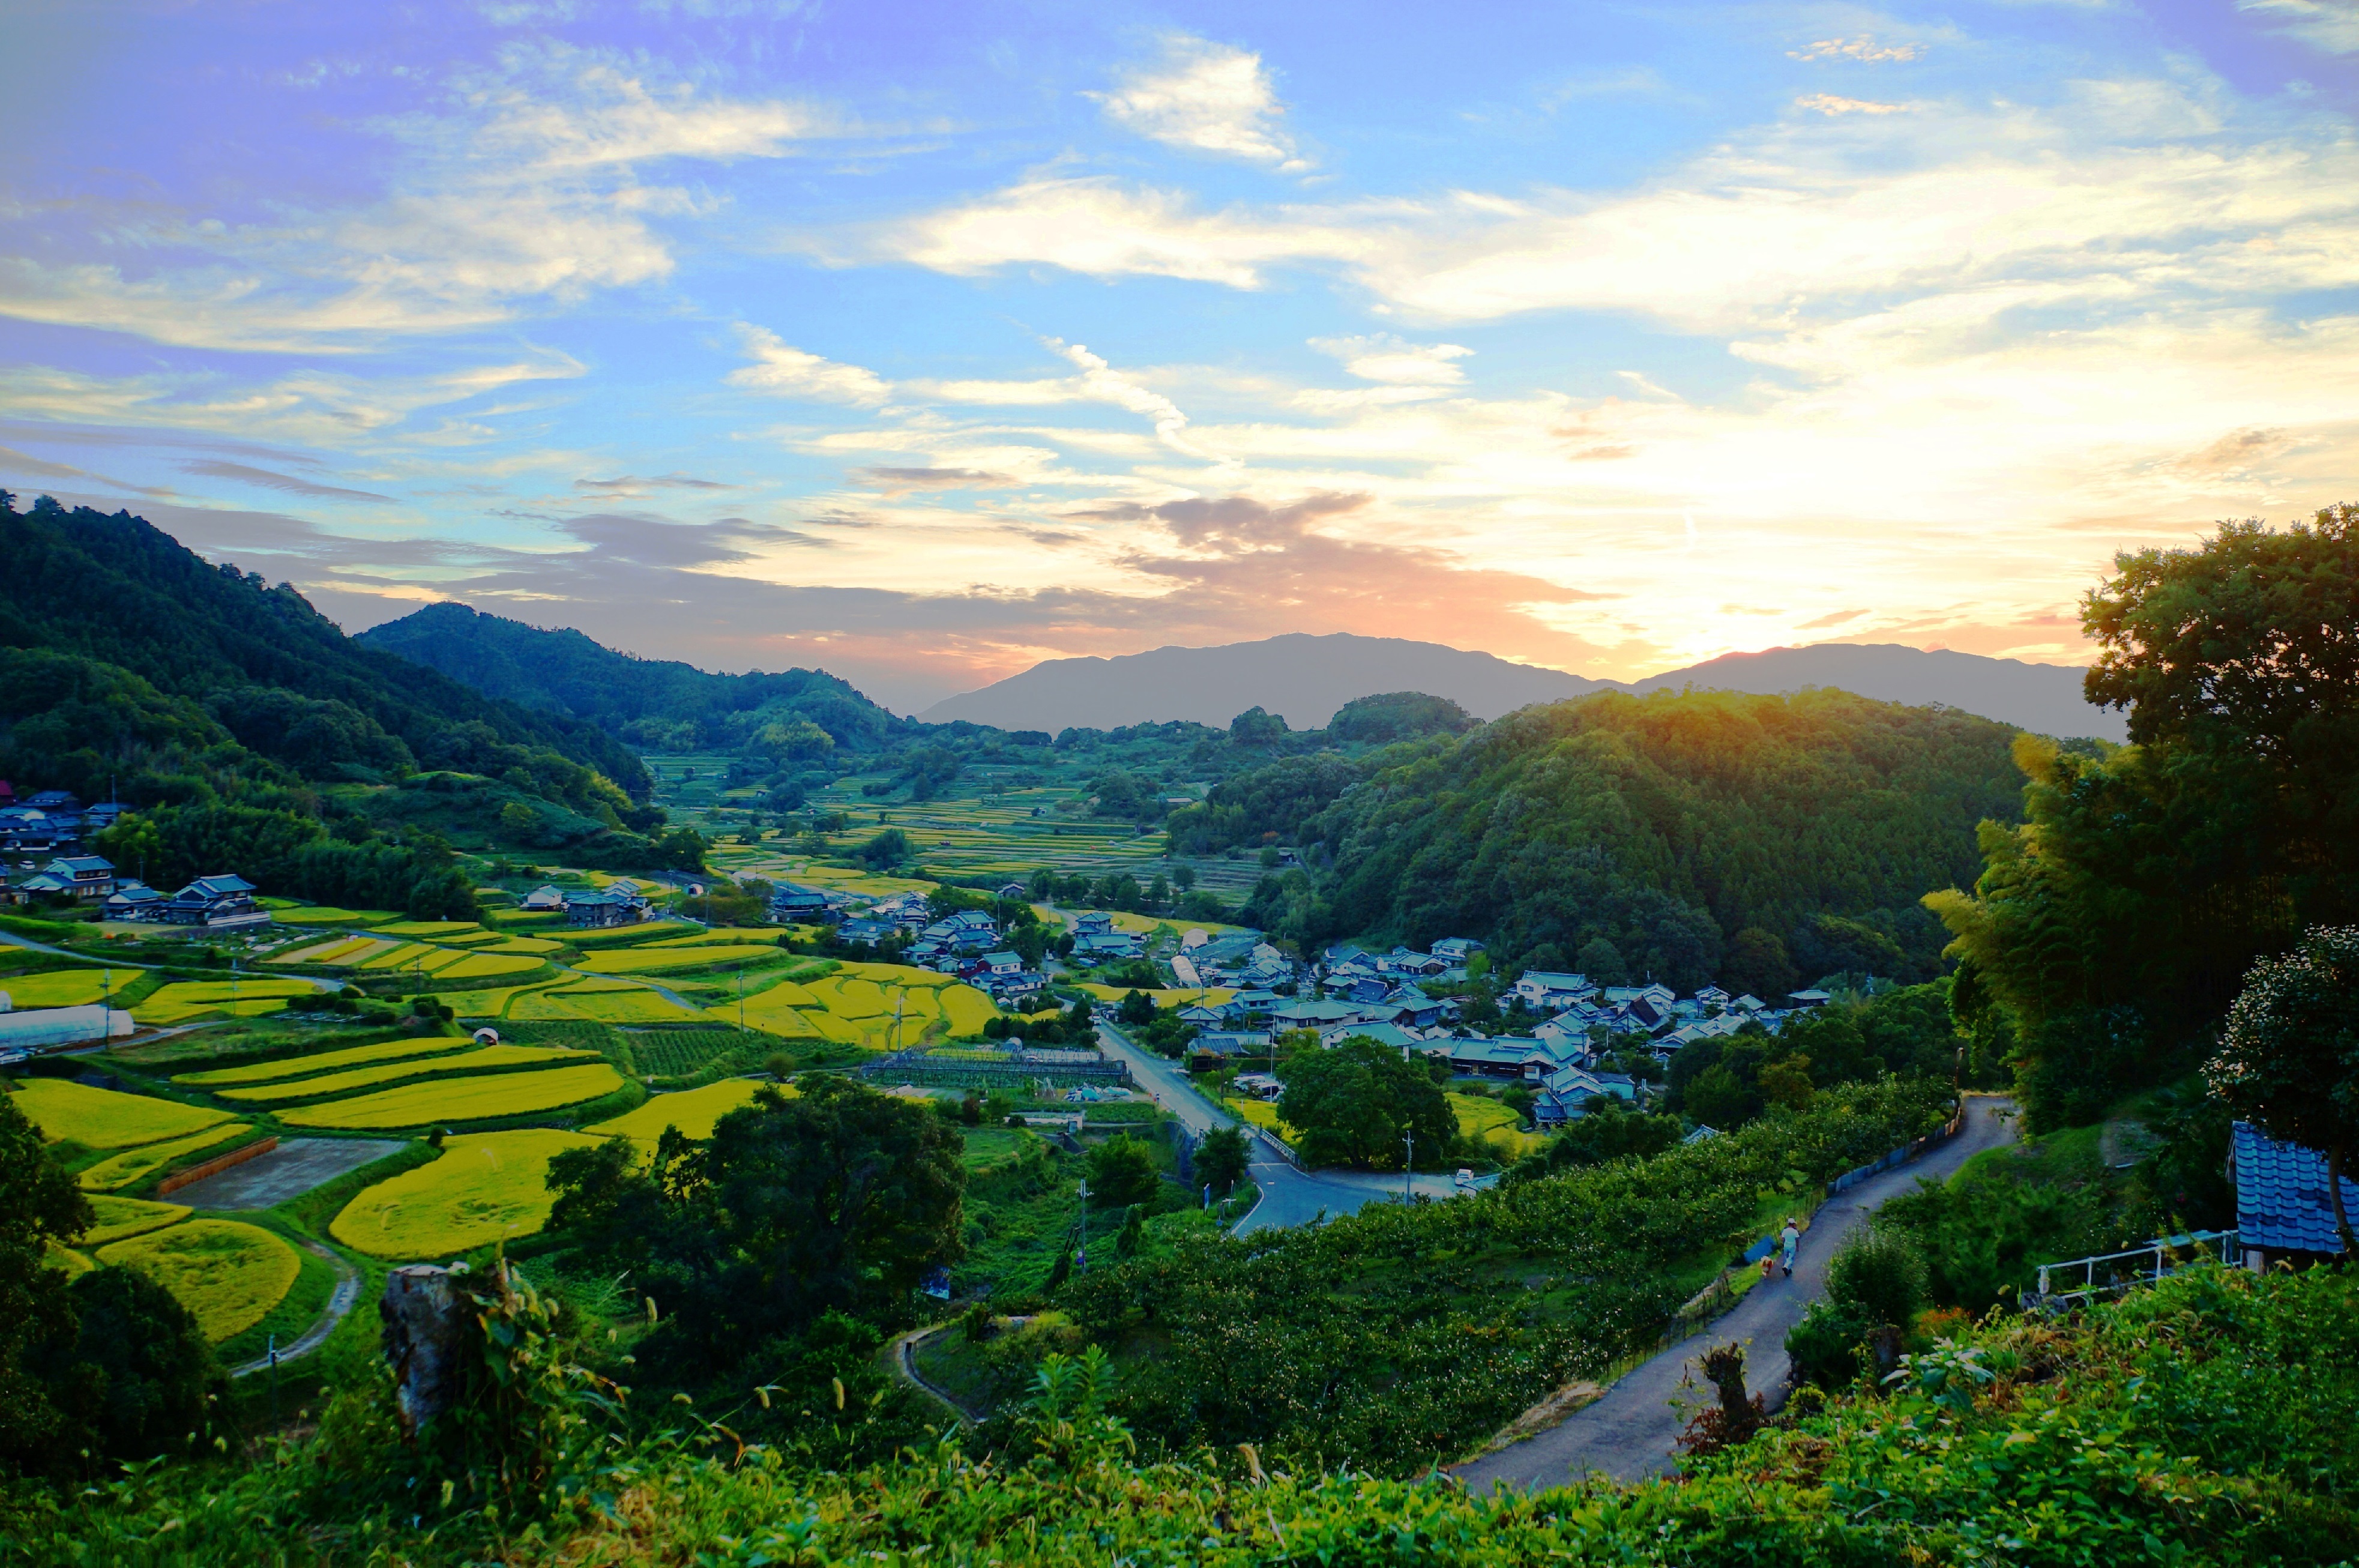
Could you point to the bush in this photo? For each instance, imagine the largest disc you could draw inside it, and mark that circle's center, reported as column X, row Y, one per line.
column 1824, row 1347
column 138, row 1378
column 1877, row 1275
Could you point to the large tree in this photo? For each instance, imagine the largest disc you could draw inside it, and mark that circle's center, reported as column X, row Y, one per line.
column 837, row 1199
column 42, row 1206
column 2288, row 1059
column 1352, row 1104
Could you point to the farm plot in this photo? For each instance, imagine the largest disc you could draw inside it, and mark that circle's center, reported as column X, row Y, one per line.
column 486, row 1187
column 185, row 999
column 854, row 1006
column 394, row 1071
column 107, row 1119
column 66, row 987
column 120, row 1218
column 65, row 1260
column 533, row 944
column 653, row 960
column 135, row 1165
column 321, row 1061
column 419, row 955
column 611, row 1002
column 326, row 915
column 722, row 936
column 437, row 929
column 1488, row 1121
column 450, row 1100
column 227, row 1273
column 486, row 965
column 628, row 936
column 337, row 950
column 693, row 1111
column 490, row 1002
column 687, row 1053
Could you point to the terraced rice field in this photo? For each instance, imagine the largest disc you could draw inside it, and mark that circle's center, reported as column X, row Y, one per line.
column 326, row 915
column 490, row 1003
column 135, row 1165
column 424, row 957
column 486, row 1187
column 630, row 936
column 693, row 1111
column 448, row 1100
column 106, row 1118
column 438, row 929
column 1493, row 1124
column 185, row 999
column 321, row 1061
column 65, row 1260
column 465, row 1061
column 655, row 960
column 611, row 1002
column 119, row 1218
column 342, row 950
column 854, row 1006
column 484, row 965
column 229, row 1274
column 722, row 936
column 66, row 987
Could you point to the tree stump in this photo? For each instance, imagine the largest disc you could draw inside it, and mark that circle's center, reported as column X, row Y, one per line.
column 422, row 1316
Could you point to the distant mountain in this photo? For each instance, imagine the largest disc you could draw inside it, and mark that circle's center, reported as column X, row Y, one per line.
column 2044, row 698
column 656, row 704
column 1306, row 679
column 1302, row 679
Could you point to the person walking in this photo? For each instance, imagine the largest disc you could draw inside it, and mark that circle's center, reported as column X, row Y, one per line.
column 1792, row 1238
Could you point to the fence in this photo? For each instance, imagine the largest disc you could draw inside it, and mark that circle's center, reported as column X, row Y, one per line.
column 2124, row 1271
column 1900, row 1156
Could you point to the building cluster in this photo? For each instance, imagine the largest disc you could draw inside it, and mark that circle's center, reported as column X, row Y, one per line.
column 53, row 822
column 223, row 901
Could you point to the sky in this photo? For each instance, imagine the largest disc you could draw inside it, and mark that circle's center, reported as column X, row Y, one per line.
column 920, row 342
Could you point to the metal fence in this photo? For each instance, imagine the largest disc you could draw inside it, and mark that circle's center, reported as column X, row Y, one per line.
column 1900, row 1156
column 2113, row 1273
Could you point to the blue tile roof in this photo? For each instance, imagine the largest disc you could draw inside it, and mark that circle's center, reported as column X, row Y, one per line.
column 2281, row 1200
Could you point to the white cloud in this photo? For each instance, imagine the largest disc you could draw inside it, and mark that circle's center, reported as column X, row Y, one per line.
column 1206, row 97
column 789, row 372
column 1863, row 48
column 1828, row 103
column 2331, row 26
column 1396, row 361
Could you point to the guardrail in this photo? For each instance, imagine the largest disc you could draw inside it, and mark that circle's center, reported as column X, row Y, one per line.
column 2124, row 1271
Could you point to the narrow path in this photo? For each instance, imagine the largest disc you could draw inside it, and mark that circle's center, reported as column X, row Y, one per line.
column 341, row 1301
column 1628, row 1433
column 902, row 1356
column 10, row 938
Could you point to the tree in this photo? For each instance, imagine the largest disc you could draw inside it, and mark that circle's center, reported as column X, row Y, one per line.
column 1183, row 877
column 1352, row 1104
column 1878, row 1275
column 1122, row 1170
column 1756, row 964
column 1603, row 963
column 890, row 848
column 1223, row 1159
column 138, row 1376
column 43, row 1206
column 2288, row 1059
column 1136, row 1008
column 840, row 1199
column 1257, row 728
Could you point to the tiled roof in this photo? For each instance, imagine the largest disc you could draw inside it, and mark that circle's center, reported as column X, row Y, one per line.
column 2281, row 1201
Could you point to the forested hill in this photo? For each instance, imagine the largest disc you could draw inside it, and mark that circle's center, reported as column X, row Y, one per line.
column 280, row 676
column 1761, row 841
column 657, row 704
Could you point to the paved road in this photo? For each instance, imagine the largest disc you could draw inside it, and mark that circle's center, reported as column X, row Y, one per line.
column 292, row 1169
column 1289, row 1196
column 340, row 1303
column 1628, row 1433
column 901, row 1358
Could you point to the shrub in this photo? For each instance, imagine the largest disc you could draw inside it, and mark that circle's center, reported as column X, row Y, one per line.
column 1877, row 1275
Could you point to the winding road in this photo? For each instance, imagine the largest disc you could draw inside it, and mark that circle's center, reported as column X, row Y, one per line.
column 1629, row 1433
column 340, row 1303
column 1290, row 1195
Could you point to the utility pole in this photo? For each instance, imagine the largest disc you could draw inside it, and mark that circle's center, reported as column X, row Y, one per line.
column 741, row 995
column 1082, row 1252
column 1409, row 1165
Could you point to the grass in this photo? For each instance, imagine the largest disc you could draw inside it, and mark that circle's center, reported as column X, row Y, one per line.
column 228, row 1273
column 477, row 1061
column 693, row 1111
column 106, row 1118
column 486, row 1187
column 299, row 1309
column 121, row 1218
column 185, row 999
column 445, row 1101
column 322, row 1062
column 134, row 1166
column 66, row 987
column 645, row 960
column 987, row 1148
column 1488, row 1121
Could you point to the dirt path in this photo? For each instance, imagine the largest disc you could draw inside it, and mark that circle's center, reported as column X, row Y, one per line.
column 902, row 1356
column 1629, row 1433
column 340, row 1303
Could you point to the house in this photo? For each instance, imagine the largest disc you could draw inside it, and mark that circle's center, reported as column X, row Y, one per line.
column 89, row 876
column 1319, row 1015
column 1711, row 996
column 1413, row 1007
column 1016, row 986
column 1457, row 949
column 55, row 801
column 1202, row 1016
column 218, row 902
column 1232, row 1042
column 1095, row 922
column 1392, row 1035
column 40, row 885
column 870, row 931
column 619, row 903
column 1564, row 1095
column 1548, row 991
column 543, row 900
column 2283, row 1212
column 1013, row 890
column 1003, row 962
column 1655, row 993
column 1809, row 999
column 132, row 901
column 1255, row 1003
column 793, row 904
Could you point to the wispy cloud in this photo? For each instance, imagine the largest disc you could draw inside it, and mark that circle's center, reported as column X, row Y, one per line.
column 1204, row 97
column 1863, row 48
column 2329, row 26
column 1828, row 104
column 264, row 479
column 788, row 372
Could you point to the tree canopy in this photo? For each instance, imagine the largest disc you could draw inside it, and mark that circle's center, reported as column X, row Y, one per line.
column 1353, row 1101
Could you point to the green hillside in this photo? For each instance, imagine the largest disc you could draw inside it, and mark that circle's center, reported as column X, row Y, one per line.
column 1764, row 840
column 658, row 703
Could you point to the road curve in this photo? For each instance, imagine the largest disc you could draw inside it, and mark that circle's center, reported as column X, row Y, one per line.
column 340, row 1303
column 1628, row 1433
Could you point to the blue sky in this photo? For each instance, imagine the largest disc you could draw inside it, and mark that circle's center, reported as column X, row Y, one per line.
column 920, row 342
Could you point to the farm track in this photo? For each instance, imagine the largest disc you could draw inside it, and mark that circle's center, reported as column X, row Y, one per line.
column 901, row 1356
column 341, row 1302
